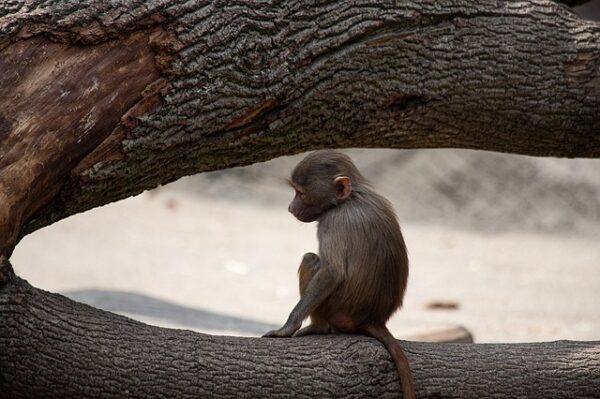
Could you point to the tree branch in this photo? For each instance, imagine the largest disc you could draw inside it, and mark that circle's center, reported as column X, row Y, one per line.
column 51, row 346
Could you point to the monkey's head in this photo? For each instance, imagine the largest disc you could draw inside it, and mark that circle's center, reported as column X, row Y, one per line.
column 322, row 180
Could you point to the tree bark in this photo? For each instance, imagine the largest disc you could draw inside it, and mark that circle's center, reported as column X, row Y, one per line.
column 52, row 347
column 100, row 100
column 219, row 84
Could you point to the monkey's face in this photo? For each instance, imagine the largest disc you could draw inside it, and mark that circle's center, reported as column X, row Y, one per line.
column 304, row 207
column 321, row 181
column 313, row 200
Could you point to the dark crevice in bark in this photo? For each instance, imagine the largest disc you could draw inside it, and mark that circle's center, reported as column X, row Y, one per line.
column 572, row 3
column 404, row 102
column 7, row 273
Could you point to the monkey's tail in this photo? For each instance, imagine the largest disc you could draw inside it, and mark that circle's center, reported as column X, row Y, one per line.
column 383, row 335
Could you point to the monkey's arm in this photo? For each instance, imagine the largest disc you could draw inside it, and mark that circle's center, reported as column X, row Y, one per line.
column 323, row 283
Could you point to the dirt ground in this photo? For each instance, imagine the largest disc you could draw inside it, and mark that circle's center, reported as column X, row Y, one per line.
column 512, row 242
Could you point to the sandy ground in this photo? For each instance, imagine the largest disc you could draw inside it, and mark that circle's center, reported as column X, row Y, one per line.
column 175, row 258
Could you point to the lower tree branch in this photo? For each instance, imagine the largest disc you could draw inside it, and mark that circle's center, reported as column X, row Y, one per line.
column 51, row 346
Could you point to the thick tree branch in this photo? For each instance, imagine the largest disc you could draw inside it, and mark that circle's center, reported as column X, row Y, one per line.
column 51, row 346
column 245, row 82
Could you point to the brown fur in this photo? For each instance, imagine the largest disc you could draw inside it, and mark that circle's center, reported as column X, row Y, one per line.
column 359, row 278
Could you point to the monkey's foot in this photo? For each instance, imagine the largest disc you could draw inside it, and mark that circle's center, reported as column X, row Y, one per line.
column 313, row 329
column 285, row 331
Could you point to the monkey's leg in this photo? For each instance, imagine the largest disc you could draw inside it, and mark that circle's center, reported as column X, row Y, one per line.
column 317, row 282
column 308, row 267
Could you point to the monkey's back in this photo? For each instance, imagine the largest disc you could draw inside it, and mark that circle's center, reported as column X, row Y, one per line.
column 362, row 240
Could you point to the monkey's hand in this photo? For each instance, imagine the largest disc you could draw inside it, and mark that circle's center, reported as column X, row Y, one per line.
column 286, row 331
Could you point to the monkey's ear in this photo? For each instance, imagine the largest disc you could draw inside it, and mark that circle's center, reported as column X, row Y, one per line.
column 345, row 187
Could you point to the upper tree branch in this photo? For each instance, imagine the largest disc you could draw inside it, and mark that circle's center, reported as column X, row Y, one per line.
column 247, row 81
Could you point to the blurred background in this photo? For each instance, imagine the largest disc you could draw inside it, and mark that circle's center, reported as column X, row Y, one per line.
column 507, row 246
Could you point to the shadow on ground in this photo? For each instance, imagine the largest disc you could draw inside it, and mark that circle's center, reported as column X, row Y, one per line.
column 143, row 305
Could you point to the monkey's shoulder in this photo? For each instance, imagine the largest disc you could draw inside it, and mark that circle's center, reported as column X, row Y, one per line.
column 370, row 216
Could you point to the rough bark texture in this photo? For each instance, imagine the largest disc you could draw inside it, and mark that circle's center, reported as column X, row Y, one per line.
column 248, row 81
column 51, row 347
